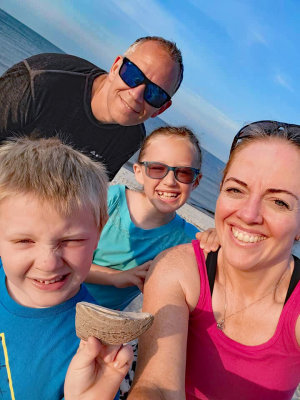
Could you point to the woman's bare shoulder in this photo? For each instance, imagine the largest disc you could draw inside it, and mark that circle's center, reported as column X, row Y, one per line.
column 175, row 258
column 178, row 265
column 181, row 250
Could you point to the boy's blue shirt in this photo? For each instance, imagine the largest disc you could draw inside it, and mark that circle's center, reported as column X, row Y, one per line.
column 36, row 346
column 123, row 246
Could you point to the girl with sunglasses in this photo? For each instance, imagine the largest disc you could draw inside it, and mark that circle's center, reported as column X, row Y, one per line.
column 143, row 223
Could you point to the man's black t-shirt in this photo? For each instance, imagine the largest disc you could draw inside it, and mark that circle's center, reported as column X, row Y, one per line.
column 50, row 94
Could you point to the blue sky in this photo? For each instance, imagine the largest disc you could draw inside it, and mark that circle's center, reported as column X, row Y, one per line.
column 241, row 57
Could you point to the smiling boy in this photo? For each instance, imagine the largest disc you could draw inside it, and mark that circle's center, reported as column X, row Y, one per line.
column 52, row 210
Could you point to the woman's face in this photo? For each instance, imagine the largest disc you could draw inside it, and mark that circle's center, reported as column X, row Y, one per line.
column 258, row 209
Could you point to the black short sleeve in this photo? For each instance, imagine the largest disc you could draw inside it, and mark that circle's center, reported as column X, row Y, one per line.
column 16, row 105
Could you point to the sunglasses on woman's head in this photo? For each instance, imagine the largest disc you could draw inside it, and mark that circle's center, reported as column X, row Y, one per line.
column 133, row 77
column 267, row 128
column 156, row 170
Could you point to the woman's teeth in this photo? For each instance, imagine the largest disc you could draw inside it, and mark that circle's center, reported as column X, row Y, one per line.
column 247, row 237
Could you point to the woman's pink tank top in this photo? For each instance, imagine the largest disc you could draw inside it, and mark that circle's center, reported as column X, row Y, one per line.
column 218, row 368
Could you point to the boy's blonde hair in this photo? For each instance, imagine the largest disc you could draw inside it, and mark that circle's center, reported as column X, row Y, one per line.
column 53, row 172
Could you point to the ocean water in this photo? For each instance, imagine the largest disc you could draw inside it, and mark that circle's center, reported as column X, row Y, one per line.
column 17, row 41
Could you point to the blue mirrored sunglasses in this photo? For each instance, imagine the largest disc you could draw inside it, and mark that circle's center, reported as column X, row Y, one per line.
column 157, row 170
column 133, row 77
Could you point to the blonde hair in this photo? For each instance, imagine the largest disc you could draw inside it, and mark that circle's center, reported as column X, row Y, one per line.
column 181, row 132
column 53, row 172
column 171, row 49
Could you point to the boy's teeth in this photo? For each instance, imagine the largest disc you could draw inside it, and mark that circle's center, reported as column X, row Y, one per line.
column 247, row 237
column 51, row 281
column 166, row 194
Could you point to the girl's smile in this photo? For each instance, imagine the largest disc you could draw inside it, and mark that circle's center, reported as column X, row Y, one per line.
column 164, row 196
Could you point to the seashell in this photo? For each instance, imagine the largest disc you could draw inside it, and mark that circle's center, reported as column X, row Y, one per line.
column 110, row 326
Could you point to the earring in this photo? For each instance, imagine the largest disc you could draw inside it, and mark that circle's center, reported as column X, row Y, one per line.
column 297, row 238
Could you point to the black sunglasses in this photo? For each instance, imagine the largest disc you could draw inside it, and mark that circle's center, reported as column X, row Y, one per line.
column 157, row 170
column 133, row 77
column 291, row 131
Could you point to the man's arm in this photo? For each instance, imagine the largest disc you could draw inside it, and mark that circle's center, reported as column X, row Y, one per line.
column 16, row 101
column 171, row 291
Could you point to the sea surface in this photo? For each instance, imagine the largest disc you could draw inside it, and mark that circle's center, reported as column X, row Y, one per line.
column 18, row 41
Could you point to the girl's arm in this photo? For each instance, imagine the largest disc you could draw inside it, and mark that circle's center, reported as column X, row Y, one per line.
column 108, row 276
column 171, row 292
column 209, row 240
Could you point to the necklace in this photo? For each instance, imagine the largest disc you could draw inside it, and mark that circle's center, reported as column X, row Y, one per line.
column 221, row 323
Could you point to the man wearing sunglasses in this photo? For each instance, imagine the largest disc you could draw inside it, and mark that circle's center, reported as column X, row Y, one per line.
column 97, row 112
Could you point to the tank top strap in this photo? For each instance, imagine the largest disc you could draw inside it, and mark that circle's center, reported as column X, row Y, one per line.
column 199, row 257
column 211, row 267
column 295, row 278
column 204, row 286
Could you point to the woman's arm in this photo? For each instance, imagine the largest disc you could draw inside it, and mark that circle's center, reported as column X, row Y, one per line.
column 298, row 330
column 171, row 292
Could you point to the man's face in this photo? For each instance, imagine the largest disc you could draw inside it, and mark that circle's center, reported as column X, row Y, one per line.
column 125, row 105
column 45, row 256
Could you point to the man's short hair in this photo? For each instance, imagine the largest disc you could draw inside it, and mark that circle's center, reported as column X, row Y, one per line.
column 53, row 172
column 170, row 47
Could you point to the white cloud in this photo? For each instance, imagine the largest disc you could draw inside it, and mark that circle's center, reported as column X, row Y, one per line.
column 283, row 81
column 151, row 17
column 255, row 36
column 215, row 129
column 238, row 19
